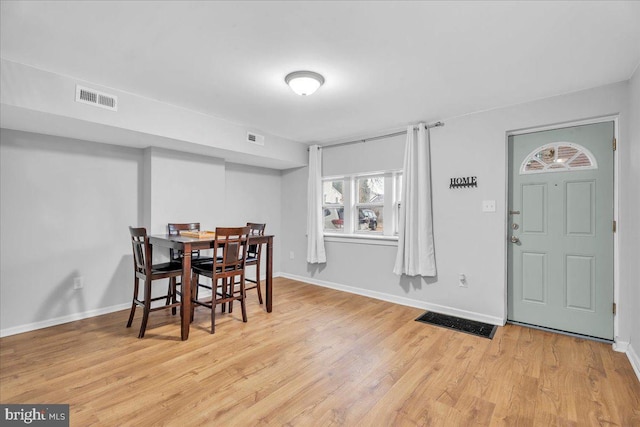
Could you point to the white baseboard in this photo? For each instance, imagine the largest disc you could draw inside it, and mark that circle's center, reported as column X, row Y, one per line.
column 620, row 346
column 479, row 317
column 60, row 320
column 634, row 359
column 73, row 317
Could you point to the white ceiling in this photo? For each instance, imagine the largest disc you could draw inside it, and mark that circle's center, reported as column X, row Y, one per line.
column 386, row 64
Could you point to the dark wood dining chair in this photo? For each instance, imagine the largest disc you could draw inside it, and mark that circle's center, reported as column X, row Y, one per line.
column 225, row 271
column 147, row 272
column 253, row 257
column 174, row 229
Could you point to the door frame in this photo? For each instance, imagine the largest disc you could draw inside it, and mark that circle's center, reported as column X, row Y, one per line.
column 616, row 248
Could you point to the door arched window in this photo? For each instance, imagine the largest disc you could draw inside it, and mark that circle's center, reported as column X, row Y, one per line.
column 558, row 157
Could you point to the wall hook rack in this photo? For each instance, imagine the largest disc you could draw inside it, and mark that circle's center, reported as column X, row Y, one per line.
column 464, row 182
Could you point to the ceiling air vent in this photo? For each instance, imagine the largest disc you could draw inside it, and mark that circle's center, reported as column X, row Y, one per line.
column 254, row 138
column 96, row 98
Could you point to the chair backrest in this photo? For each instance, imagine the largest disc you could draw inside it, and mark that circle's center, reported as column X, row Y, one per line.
column 174, row 229
column 141, row 250
column 255, row 229
column 231, row 243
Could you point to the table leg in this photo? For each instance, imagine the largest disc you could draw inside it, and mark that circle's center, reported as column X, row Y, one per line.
column 269, row 285
column 185, row 307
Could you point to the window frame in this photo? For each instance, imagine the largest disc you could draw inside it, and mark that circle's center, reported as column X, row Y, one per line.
column 549, row 167
column 351, row 205
column 337, row 206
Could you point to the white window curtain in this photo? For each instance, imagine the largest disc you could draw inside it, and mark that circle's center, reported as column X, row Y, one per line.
column 416, row 253
column 315, row 235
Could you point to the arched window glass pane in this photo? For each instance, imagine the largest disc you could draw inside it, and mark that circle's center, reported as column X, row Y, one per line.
column 558, row 157
column 580, row 161
column 533, row 165
column 565, row 153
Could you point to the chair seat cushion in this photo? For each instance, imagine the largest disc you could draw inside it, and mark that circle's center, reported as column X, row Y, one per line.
column 166, row 267
column 203, row 268
column 206, row 269
column 249, row 259
column 201, row 259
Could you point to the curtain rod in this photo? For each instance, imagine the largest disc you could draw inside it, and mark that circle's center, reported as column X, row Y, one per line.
column 373, row 138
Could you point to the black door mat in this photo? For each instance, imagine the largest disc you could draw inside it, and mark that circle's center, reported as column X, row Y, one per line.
column 472, row 327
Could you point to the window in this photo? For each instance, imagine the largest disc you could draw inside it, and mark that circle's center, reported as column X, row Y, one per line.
column 362, row 204
column 558, row 157
column 370, row 203
column 333, row 204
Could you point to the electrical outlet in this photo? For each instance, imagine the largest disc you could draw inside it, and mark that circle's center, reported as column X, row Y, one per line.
column 78, row 282
column 488, row 206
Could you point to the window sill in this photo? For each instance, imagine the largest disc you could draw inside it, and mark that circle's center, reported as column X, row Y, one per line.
column 361, row 239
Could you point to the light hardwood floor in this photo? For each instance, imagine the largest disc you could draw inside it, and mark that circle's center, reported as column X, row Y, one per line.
column 322, row 357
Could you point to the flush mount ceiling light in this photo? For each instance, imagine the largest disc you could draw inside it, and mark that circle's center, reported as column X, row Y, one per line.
column 304, row 82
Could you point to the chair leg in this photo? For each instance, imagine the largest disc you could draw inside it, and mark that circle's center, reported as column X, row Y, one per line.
column 243, row 299
column 194, row 294
column 223, row 291
column 136, row 282
column 195, row 281
column 258, row 282
column 172, row 294
column 147, row 307
column 213, row 306
column 231, row 286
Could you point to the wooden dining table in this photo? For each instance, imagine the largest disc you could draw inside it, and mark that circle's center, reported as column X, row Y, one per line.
column 188, row 244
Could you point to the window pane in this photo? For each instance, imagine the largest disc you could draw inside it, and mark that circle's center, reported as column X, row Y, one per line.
column 532, row 165
column 371, row 190
column 547, row 155
column 565, row 153
column 558, row 157
column 370, row 219
column 333, row 218
column 332, row 192
column 581, row 161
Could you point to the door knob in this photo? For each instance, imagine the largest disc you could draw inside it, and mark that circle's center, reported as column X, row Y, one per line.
column 514, row 239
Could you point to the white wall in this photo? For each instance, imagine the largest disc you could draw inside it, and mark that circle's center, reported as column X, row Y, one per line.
column 466, row 239
column 630, row 229
column 39, row 101
column 253, row 194
column 182, row 187
column 64, row 211
column 58, row 194
column 376, row 155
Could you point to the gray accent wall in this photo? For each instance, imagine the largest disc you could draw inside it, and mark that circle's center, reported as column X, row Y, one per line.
column 629, row 306
column 467, row 240
column 57, row 193
column 66, row 206
column 64, row 211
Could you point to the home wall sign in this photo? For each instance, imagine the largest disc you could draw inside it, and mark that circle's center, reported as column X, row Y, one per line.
column 464, row 182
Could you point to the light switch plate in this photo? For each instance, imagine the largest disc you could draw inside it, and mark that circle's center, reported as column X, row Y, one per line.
column 488, row 206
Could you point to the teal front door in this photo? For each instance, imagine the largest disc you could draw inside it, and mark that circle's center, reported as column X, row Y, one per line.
column 560, row 266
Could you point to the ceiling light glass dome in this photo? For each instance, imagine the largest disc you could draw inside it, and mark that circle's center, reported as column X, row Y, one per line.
column 304, row 82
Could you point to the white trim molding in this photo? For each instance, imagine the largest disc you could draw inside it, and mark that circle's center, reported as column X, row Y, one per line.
column 634, row 359
column 479, row 317
column 63, row 319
